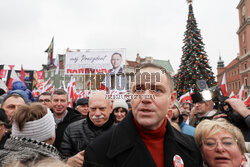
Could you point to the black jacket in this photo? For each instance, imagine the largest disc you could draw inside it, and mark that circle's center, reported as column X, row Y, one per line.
column 80, row 134
column 71, row 116
column 122, row 146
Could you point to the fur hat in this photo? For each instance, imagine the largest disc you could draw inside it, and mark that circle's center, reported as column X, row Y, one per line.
column 120, row 103
column 82, row 101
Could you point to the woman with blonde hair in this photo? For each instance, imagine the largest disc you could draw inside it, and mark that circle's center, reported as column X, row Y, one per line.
column 33, row 133
column 221, row 144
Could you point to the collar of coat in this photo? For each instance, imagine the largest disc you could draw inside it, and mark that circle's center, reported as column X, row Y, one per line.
column 105, row 126
column 125, row 136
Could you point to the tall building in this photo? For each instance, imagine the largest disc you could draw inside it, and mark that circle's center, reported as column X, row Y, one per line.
column 238, row 70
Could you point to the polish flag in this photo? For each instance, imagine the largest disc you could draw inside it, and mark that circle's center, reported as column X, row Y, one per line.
column 3, row 86
column 191, row 92
column 3, row 73
column 247, row 101
column 103, row 87
column 22, row 73
column 232, row 95
column 49, row 87
column 241, row 93
column 224, row 85
column 13, row 77
column 186, row 98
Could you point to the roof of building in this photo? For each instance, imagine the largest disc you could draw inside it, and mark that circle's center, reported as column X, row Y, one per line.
column 165, row 64
column 132, row 63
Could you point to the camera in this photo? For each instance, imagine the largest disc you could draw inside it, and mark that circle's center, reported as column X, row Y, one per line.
column 215, row 94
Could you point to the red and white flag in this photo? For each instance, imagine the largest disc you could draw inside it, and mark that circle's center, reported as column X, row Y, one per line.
column 247, row 101
column 232, row 95
column 224, row 85
column 186, row 98
column 3, row 73
column 241, row 93
column 13, row 77
column 22, row 74
column 3, row 86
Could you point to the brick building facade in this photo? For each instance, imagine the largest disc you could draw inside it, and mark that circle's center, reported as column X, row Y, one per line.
column 238, row 70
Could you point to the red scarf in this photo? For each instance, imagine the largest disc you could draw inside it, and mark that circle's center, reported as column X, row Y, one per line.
column 154, row 140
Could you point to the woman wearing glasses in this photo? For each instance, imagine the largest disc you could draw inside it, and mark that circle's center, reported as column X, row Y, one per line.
column 221, row 144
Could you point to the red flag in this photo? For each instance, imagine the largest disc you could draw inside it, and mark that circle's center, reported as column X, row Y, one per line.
column 22, row 73
column 241, row 93
column 186, row 98
column 232, row 95
column 11, row 66
column 224, row 85
column 3, row 73
column 39, row 74
column 247, row 101
column 13, row 77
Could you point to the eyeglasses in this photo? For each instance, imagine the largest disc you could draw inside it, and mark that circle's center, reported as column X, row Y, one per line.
column 226, row 143
column 44, row 100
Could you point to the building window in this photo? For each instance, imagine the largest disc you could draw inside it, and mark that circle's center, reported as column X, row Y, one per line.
column 246, row 82
column 243, row 38
column 239, row 84
column 245, row 66
column 233, row 86
column 229, row 86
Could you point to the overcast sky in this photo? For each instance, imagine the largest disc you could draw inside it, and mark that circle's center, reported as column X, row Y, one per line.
column 149, row 27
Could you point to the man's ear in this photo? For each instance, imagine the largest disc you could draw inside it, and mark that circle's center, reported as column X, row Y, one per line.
column 169, row 114
column 172, row 99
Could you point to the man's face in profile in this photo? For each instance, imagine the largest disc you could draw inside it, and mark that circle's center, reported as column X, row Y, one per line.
column 116, row 61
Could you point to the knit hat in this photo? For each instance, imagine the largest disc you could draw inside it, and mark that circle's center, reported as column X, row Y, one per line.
column 82, row 101
column 41, row 129
column 20, row 93
column 120, row 103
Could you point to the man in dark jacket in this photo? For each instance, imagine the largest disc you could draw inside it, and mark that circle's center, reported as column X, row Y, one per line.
column 63, row 115
column 145, row 137
column 80, row 134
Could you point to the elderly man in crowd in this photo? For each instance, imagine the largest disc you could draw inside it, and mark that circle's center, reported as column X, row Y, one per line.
column 82, row 105
column 80, row 134
column 145, row 137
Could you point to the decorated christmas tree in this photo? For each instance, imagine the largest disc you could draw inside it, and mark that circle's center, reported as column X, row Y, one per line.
column 194, row 62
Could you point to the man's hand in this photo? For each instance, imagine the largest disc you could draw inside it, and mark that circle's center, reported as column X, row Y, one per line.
column 77, row 160
column 238, row 106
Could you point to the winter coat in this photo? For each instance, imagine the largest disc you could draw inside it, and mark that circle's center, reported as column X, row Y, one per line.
column 122, row 146
column 71, row 116
column 80, row 134
column 26, row 151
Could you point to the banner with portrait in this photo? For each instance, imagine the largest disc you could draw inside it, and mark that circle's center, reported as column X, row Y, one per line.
column 94, row 61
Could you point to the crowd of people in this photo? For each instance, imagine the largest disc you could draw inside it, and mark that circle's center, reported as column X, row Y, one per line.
column 97, row 131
